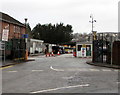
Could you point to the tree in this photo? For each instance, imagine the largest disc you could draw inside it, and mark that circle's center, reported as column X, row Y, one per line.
column 56, row 34
column 28, row 30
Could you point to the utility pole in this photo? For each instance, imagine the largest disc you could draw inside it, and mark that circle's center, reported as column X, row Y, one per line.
column 26, row 51
column 92, row 22
column 93, row 34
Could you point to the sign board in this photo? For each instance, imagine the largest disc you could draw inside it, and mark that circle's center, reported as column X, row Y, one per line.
column 5, row 35
column 24, row 35
column 2, row 46
column 84, row 45
column 83, row 51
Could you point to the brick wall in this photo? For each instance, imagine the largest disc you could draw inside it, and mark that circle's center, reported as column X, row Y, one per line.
column 15, row 31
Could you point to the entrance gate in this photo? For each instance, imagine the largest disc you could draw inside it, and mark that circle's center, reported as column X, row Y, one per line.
column 15, row 49
column 101, row 51
column 18, row 49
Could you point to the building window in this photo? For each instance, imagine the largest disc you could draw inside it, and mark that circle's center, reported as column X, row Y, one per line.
column 16, row 29
column 79, row 47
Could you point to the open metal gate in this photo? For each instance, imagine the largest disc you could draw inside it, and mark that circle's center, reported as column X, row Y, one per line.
column 101, row 51
column 15, row 49
column 18, row 49
column 102, row 48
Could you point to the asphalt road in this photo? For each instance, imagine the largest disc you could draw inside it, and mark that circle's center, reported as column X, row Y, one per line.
column 60, row 74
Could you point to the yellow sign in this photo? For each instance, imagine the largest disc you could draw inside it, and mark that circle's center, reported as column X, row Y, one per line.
column 65, row 46
column 84, row 45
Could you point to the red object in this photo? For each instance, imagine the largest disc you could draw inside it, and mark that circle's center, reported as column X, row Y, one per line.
column 53, row 54
column 58, row 53
column 74, row 54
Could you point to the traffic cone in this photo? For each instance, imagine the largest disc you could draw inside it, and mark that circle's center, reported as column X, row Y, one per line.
column 52, row 53
column 58, row 53
column 49, row 54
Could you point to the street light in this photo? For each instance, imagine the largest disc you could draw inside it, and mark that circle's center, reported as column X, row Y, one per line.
column 92, row 21
column 25, row 21
column 93, row 34
column 26, row 51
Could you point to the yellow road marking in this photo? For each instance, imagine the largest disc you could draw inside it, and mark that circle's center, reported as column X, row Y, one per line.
column 6, row 67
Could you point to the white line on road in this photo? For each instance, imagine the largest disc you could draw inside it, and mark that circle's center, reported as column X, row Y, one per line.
column 118, row 82
column 106, row 70
column 82, row 69
column 56, row 69
column 37, row 70
column 116, row 70
column 12, row 71
column 68, row 77
column 77, row 69
column 94, row 70
column 48, row 90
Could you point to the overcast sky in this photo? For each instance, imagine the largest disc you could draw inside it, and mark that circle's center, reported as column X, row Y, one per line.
column 73, row 12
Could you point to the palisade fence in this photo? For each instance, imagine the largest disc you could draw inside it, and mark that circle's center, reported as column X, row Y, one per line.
column 102, row 48
column 101, row 51
column 15, row 49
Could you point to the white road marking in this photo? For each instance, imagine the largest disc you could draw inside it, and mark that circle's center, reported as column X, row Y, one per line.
column 94, row 70
column 77, row 69
column 12, row 71
column 68, row 77
column 82, row 69
column 118, row 82
column 56, row 69
column 116, row 70
column 48, row 90
column 37, row 70
column 106, row 70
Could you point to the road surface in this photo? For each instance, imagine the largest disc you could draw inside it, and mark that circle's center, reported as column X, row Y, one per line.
column 60, row 74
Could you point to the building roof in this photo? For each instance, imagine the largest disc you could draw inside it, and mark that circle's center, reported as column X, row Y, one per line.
column 107, row 33
column 84, row 42
column 6, row 18
column 36, row 40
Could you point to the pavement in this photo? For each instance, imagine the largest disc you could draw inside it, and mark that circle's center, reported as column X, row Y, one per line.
column 37, row 54
column 12, row 62
column 104, row 65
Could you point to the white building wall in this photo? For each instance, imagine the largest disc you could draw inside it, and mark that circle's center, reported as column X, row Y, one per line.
column 36, row 45
column 82, row 51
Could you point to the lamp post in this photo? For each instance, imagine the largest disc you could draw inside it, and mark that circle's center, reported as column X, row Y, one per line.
column 25, row 21
column 93, row 34
column 26, row 28
column 26, row 51
column 92, row 22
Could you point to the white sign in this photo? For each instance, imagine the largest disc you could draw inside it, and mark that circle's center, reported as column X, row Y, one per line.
column 83, row 51
column 5, row 35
